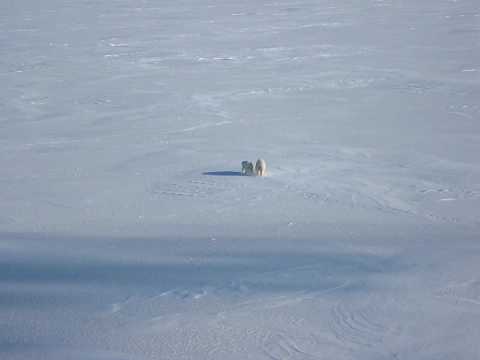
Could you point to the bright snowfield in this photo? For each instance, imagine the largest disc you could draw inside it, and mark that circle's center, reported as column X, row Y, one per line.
column 126, row 231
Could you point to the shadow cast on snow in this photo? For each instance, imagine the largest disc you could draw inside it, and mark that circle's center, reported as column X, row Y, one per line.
column 182, row 264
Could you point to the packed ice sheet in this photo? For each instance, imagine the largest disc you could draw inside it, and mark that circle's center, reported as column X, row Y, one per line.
column 127, row 230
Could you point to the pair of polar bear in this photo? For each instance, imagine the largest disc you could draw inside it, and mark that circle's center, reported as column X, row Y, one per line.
column 260, row 168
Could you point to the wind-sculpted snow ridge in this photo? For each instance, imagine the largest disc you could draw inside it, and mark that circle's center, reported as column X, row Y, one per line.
column 127, row 231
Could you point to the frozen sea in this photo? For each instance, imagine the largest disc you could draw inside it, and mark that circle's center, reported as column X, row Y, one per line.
column 127, row 232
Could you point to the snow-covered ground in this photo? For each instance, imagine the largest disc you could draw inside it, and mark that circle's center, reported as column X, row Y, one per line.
column 126, row 231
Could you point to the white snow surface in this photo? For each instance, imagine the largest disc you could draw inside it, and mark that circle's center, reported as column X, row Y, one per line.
column 126, row 231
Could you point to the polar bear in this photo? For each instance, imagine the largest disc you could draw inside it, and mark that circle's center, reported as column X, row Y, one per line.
column 247, row 168
column 261, row 167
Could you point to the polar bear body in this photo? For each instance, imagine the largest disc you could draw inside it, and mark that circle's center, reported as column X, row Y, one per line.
column 247, row 168
column 261, row 167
